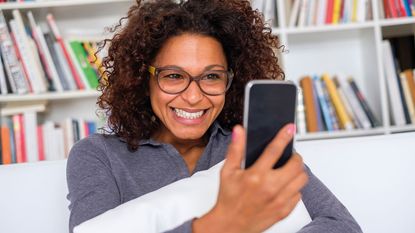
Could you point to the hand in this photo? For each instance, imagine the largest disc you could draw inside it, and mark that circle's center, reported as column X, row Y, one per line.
column 253, row 200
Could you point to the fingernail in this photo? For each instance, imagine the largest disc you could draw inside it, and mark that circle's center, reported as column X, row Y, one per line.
column 291, row 129
column 234, row 134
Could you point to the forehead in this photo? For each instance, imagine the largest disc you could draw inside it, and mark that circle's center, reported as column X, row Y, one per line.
column 192, row 52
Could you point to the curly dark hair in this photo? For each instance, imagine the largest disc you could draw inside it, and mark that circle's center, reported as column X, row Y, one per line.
column 247, row 42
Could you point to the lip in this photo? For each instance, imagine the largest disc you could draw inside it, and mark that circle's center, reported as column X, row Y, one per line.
column 190, row 122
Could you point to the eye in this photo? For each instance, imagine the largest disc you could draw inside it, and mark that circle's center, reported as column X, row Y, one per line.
column 212, row 76
column 173, row 76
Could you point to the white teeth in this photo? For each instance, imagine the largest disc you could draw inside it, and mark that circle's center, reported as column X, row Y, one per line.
column 188, row 115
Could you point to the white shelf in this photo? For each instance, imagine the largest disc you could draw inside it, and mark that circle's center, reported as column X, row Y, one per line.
column 396, row 21
column 340, row 134
column 405, row 128
column 48, row 96
column 330, row 28
column 55, row 3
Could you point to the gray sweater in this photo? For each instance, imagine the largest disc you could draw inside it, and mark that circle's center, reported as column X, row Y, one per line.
column 102, row 174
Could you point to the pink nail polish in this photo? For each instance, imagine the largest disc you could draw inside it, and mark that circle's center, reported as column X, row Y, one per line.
column 233, row 135
column 291, row 129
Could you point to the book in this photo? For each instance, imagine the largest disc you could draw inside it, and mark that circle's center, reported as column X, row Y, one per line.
column 30, row 136
column 345, row 102
column 6, row 152
column 323, row 104
column 395, row 102
column 408, row 97
column 44, row 54
column 3, row 78
column 295, row 9
column 336, row 11
column 345, row 121
column 13, row 68
column 357, row 109
column 320, row 123
column 409, row 75
column 29, row 59
column 333, row 115
column 58, row 38
column 362, row 100
column 81, row 58
column 19, row 138
column 309, row 105
column 40, row 143
column 329, row 11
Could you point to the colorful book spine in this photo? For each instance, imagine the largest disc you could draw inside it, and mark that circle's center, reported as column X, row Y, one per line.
column 333, row 115
column 309, row 105
column 323, row 104
column 81, row 58
column 320, row 123
column 408, row 97
column 345, row 121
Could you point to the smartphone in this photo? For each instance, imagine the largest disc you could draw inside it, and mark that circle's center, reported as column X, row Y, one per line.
column 269, row 105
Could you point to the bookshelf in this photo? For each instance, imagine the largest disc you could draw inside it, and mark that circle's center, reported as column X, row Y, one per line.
column 76, row 20
column 348, row 48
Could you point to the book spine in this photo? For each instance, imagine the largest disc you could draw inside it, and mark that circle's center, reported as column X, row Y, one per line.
column 393, row 89
column 309, row 105
column 408, row 98
column 346, row 103
column 55, row 31
column 336, row 11
column 12, row 65
column 40, row 143
column 323, row 104
column 411, row 82
column 338, row 105
column 3, row 82
column 408, row 10
column 329, row 11
column 19, row 138
column 6, row 145
column 83, row 62
column 30, row 134
column 318, row 108
column 333, row 115
column 363, row 103
column 28, row 57
column 354, row 102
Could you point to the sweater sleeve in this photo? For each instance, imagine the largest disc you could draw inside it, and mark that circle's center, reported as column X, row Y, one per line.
column 92, row 187
column 328, row 214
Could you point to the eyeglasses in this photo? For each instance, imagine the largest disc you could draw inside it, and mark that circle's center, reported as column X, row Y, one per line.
column 173, row 80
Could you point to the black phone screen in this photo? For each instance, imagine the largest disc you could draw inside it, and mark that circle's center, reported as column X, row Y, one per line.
column 269, row 105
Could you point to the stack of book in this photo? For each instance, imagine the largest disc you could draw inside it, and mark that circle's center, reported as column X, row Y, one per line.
column 35, row 60
column 399, row 64
column 332, row 104
column 23, row 140
column 321, row 12
column 398, row 8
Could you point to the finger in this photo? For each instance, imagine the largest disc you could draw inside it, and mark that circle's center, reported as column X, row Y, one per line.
column 275, row 148
column 293, row 186
column 287, row 207
column 236, row 149
column 286, row 174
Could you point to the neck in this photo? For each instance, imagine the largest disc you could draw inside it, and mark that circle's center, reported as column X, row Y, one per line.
column 189, row 149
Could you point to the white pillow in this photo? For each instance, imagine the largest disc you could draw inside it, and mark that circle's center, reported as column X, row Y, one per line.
column 172, row 205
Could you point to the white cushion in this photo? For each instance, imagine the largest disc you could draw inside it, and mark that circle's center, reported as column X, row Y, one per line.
column 172, row 205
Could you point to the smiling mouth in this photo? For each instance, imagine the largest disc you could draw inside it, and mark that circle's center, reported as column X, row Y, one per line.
column 188, row 115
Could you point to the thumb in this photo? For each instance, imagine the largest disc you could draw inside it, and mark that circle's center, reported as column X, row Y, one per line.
column 236, row 149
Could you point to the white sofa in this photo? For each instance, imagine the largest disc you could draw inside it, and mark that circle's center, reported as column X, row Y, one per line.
column 373, row 176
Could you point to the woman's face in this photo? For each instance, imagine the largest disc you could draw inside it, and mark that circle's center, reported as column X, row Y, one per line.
column 188, row 115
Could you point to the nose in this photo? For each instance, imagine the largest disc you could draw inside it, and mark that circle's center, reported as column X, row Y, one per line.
column 192, row 94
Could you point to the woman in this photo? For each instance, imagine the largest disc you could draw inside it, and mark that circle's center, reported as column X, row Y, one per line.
column 176, row 75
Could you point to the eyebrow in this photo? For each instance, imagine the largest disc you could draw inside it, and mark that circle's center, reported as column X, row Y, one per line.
column 209, row 67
